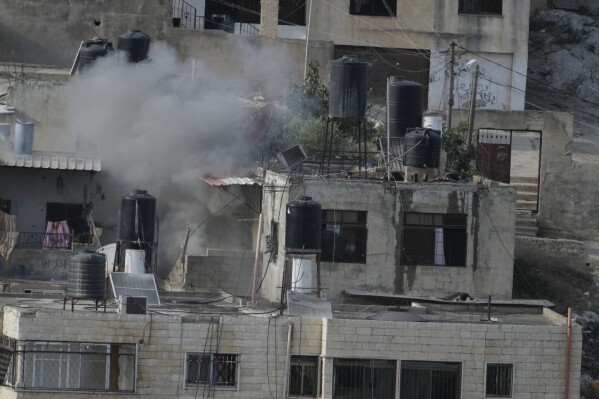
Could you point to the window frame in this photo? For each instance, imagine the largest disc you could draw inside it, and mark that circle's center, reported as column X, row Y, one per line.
column 303, row 362
column 462, row 8
column 430, row 367
column 337, row 227
column 510, row 367
column 417, row 248
column 210, row 382
column 62, row 365
column 365, row 365
column 376, row 8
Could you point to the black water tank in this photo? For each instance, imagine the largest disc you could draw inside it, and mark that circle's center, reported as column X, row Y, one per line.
column 404, row 105
column 349, row 88
column 91, row 50
column 136, row 218
column 302, row 228
column 422, row 148
column 136, row 44
column 87, row 275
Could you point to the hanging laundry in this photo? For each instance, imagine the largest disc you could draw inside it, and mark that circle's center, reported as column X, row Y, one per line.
column 57, row 235
column 8, row 234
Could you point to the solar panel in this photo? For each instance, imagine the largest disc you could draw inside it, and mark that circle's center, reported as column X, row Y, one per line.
column 135, row 285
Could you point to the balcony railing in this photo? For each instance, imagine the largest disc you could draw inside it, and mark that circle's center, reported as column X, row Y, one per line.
column 31, row 240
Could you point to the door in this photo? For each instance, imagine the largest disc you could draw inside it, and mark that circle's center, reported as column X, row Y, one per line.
column 494, row 154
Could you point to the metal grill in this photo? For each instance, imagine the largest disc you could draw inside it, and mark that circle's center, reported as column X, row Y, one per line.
column 70, row 366
column 430, row 380
column 499, row 380
column 216, row 370
column 368, row 379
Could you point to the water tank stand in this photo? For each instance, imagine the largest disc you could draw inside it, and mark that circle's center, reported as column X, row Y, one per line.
column 73, row 301
column 328, row 145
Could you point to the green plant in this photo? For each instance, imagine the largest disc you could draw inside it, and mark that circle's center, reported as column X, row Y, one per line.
column 460, row 154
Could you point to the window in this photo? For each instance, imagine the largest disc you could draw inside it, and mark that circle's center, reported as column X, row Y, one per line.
column 499, row 380
column 77, row 366
column 213, row 369
column 377, row 8
column 303, row 376
column 492, row 7
column 430, row 380
column 343, row 236
column 364, row 379
column 434, row 239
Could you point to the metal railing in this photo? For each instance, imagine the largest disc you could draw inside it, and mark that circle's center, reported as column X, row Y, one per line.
column 186, row 16
column 29, row 240
column 69, row 366
column 186, row 13
column 247, row 29
column 34, row 240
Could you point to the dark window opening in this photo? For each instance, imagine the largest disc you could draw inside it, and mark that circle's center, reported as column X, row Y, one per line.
column 434, row 239
column 376, row 8
column 344, row 236
column 5, row 205
column 430, row 380
column 292, row 12
column 499, row 380
column 244, row 11
column 492, row 7
column 215, row 370
column 72, row 213
column 303, row 376
column 364, row 379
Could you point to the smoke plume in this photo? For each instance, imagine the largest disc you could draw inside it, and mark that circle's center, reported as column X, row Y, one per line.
column 155, row 128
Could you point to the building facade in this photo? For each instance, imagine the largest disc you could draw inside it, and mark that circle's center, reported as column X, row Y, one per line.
column 177, row 353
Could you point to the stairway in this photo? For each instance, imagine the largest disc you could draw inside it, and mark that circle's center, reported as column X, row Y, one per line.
column 526, row 224
column 528, row 192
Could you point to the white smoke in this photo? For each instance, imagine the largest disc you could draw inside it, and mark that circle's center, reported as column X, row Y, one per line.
column 155, row 128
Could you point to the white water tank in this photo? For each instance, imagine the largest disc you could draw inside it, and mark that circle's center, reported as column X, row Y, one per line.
column 135, row 260
column 24, row 138
column 109, row 250
column 301, row 275
column 434, row 122
column 4, row 136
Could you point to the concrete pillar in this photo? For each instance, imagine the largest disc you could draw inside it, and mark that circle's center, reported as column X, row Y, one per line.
column 269, row 18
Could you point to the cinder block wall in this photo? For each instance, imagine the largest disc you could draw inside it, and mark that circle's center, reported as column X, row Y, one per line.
column 537, row 351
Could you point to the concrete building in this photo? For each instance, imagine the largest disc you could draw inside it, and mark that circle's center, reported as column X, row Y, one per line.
column 187, row 351
column 427, row 239
column 399, row 38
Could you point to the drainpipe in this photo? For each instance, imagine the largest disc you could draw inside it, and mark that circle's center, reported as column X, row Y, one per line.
column 257, row 258
column 568, row 354
column 288, row 359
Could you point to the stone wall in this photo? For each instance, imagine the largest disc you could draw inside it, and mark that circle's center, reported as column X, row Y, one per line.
column 537, row 350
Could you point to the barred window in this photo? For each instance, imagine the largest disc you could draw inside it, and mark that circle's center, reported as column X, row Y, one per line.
column 344, row 236
column 213, row 369
column 303, row 376
column 77, row 366
column 364, row 378
column 430, row 380
column 434, row 239
column 499, row 380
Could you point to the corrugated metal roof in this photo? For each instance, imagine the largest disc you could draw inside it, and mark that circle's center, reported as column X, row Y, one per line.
column 53, row 161
column 229, row 181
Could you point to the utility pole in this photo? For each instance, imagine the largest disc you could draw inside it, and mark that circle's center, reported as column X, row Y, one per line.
column 473, row 103
column 451, row 69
